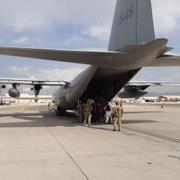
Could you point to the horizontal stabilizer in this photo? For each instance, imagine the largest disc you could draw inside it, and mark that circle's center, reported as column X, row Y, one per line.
column 166, row 60
column 82, row 57
column 132, row 57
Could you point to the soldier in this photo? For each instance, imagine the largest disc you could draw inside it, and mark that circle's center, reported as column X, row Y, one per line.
column 117, row 113
column 87, row 108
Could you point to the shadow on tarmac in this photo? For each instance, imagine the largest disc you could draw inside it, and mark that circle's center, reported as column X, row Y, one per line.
column 175, row 157
column 142, row 112
column 47, row 119
column 137, row 121
column 41, row 119
column 123, row 122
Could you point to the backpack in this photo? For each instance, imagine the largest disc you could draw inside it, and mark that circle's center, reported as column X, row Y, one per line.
column 117, row 111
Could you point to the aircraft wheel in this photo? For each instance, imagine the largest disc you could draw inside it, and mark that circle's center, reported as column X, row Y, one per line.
column 60, row 112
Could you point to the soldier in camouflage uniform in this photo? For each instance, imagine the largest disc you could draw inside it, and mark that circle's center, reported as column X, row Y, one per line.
column 117, row 113
column 87, row 108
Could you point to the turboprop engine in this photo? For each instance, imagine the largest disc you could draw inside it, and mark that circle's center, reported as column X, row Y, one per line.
column 14, row 93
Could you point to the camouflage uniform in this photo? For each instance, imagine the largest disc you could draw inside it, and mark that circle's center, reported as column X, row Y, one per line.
column 117, row 113
column 87, row 108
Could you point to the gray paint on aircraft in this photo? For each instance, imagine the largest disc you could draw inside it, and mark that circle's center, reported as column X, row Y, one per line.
column 131, row 47
column 132, row 24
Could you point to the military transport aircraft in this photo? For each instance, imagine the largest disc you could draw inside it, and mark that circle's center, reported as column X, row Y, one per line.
column 132, row 46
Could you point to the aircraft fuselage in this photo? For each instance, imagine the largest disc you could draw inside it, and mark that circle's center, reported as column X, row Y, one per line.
column 107, row 82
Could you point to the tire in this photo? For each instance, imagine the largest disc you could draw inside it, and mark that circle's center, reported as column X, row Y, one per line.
column 60, row 112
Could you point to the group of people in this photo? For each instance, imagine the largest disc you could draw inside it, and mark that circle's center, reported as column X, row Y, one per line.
column 91, row 111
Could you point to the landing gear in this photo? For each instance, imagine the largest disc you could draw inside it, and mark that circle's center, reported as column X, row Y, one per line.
column 60, row 111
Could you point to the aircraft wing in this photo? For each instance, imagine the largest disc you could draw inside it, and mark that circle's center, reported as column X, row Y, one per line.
column 4, row 81
column 133, row 86
column 152, row 83
column 137, row 89
column 37, row 85
column 166, row 60
column 142, row 85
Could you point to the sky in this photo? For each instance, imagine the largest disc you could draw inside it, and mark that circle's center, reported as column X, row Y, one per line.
column 69, row 24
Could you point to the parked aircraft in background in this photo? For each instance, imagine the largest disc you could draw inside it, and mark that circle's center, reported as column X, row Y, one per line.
column 132, row 46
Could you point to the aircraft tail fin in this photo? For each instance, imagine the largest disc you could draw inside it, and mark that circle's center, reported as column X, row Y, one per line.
column 132, row 24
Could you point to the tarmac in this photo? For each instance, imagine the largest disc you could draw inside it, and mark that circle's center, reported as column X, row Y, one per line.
column 37, row 145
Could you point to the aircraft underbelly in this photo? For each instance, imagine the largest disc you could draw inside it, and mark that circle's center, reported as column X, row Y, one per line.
column 107, row 84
